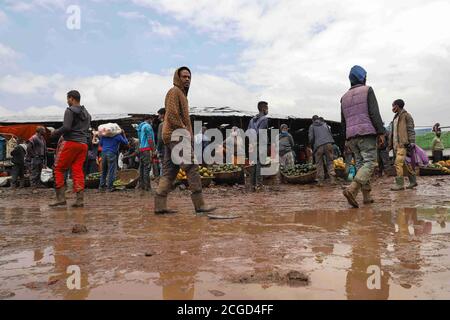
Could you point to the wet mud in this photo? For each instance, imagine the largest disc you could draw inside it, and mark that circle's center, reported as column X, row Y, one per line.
column 290, row 242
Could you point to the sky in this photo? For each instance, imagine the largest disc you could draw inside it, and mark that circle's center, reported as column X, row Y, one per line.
column 295, row 54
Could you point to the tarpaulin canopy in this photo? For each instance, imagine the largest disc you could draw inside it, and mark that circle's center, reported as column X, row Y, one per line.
column 23, row 131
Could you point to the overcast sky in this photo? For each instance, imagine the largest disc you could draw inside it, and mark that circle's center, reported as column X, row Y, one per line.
column 294, row 54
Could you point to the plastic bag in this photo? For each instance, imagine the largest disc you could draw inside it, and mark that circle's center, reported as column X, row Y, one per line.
column 46, row 175
column 109, row 130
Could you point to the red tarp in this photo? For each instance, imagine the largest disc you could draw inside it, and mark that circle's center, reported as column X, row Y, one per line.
column 23, row 131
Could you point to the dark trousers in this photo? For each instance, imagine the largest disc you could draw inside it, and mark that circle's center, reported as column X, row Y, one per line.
column 383, row 161
column 438, row 155
column 145, row 166
column 170, row 171
column 18, row 173
column 37, row 163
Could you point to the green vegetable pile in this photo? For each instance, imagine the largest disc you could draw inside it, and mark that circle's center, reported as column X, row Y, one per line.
column 226, row 168
column 94, row 176
column 298, row 170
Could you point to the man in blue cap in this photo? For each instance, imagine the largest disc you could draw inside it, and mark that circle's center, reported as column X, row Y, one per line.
column 363, row 129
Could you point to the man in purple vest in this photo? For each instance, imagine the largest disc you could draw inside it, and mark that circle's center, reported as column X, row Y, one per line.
column 363, row 128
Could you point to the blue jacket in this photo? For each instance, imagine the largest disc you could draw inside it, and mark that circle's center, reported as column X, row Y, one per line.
column 146, row 137
column 112, row 144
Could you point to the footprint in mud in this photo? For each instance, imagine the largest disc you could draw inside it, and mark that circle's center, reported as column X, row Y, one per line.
column 291, row 278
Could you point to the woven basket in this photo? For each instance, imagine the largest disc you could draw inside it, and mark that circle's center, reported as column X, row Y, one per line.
column 302, row 179
column 130, row 177
column 229, row 177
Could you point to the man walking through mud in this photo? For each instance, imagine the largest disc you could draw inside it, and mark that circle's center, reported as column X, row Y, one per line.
column 403, row 138
column 177, row 117
column 363, row 127
column 72, row 149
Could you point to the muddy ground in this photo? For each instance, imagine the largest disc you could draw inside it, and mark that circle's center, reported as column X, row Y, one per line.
column 291, row 242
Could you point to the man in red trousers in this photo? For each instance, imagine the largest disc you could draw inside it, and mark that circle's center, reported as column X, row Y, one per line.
column 72, row 149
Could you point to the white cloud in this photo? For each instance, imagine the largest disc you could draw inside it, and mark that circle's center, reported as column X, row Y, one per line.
column 7, row 56
column 132, row 15
column 299, row 52
column 28, row 83
column 3, row 17
column 21, row 6
column 163, row 30
column 138, row 92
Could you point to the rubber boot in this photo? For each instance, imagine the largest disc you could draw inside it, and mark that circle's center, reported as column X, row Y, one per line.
column 79, row 202
column 367, row 198
column 199, row 203
column 161, row 205
column 351, row 192
column 399, row 184
column 412, row 182
column 60, row 198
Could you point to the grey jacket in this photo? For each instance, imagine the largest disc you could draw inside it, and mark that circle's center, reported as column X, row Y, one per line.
column 286, row 144
column 77, row 122
column 319, row 134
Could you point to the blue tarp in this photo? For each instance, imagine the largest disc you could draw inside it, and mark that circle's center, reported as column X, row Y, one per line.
column 2, row 149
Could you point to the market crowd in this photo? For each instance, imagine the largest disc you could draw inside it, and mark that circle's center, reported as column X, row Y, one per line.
column 82, row 151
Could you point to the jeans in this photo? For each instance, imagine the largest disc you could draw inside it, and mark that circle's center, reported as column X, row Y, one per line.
column 145, row 166
column 365, row 151
column 109, row 171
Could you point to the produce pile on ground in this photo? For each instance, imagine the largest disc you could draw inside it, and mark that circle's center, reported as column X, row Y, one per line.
column 444, row 169
column 226, row 168
column 119, row 183
column 298, row 170
column 204, row 172
column 444, row 163
column 94, row 176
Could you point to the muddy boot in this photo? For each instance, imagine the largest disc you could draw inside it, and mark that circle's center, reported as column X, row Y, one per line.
column 412, row 182
column 199, row 203
column 399, row 184
column 79, row 202
column 351, row 192
column 60, row 198
column 161, row 205
column 367, row 198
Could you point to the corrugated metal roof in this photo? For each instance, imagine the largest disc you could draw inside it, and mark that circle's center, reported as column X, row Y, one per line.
column 195, row 111
column 59, row 118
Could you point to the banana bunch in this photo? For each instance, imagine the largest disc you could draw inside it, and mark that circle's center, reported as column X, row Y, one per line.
column 339, row 163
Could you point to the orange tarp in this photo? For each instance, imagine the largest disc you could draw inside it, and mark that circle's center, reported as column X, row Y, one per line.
column 23, row 131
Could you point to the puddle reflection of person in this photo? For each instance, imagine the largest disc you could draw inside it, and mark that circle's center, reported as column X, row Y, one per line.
column 406, row 247
column 68, row 251
column 368, row 233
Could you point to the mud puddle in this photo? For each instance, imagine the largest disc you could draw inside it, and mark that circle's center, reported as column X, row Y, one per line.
column 276, row 250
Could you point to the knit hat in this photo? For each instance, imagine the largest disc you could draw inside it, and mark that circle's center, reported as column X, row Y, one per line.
column 357, row 74
column 24, row 146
